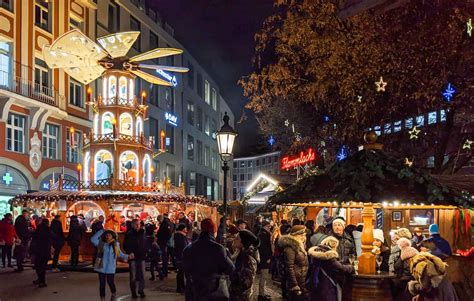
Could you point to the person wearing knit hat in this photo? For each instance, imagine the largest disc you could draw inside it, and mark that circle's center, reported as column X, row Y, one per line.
column 380, row 249
column 346, row 246
column 208, row 225
column 395, row 250
column 435, row 244
column 298, row 230
column 406, row 250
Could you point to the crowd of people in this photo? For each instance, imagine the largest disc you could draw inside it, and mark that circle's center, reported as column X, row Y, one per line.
column 226, row 261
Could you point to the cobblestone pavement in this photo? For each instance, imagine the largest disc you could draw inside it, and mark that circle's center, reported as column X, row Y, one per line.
column 80, row 286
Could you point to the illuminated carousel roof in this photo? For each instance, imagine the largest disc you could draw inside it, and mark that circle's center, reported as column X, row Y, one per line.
column 116, row 197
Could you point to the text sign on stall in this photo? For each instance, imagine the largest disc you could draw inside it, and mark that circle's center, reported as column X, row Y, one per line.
column 302, row 159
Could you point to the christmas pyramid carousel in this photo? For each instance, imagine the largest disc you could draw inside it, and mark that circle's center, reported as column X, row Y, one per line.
column 115, row 179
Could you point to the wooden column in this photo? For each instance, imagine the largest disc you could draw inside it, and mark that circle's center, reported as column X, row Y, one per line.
column 367, row 259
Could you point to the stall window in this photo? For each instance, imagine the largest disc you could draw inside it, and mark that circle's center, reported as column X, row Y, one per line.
column 421, row 217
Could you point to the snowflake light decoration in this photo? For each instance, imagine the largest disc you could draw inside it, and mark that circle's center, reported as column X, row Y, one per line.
column 271, row 140
column 468, row 144
column 326, row 118
column 408, row 162
column 341, row 153
column 287, row 123
column 469, row 27
column 381, row 85
column 359, row 98
column 449, row 92
column 414, row 133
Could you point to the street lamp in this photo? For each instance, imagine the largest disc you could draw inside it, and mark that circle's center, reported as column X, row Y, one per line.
column 225, row 141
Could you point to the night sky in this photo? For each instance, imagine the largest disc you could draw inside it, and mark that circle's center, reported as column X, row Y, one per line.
column 220, row 35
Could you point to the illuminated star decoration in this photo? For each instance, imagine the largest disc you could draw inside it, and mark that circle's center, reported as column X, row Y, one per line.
column 271, row 140
column 408, row 162
column 381, row 85
column 298, row 137
column 449, row 92
column 469, row 27
column 287, row 122
column 341, row 153
column 414, row 133
column 326, row 118
column 467, row 144
column 359, row 98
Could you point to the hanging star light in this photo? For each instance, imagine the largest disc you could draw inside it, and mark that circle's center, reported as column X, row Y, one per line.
column 326, row 118
column 341, row 153
column 408, row 162
column 271, row 140
column 414, row 133
column 468, row 144
column 449, row 92
column 359, row 98
column 469, row 27
column 381, row 85
column 298, row 137
column 287, row 123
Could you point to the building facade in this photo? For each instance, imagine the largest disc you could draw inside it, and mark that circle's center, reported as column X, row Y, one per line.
column 247, row 169
column 39, row 106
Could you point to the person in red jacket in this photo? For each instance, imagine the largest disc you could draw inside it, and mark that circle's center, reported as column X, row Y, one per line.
column 7, row 238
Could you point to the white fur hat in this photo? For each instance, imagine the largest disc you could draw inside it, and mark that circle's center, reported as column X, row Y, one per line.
column 378, row 234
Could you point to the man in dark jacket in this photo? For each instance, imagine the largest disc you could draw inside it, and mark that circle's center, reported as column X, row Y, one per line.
column 265, row 251
column 22, row 230
column 74, row 239
column 183, row 219
column 180, row 242
column 346, row 245
column 41, row 249
column 57, row 239
column 442, row 249
column 204, row 262
column 163, row 236
column 135, row 243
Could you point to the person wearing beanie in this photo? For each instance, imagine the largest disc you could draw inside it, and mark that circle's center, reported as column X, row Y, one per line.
column 205, row 262
column 380, row 249
column 395, row 250
column 180, row 243
column 402, row 270
column 326, row 272
column 265, row 251
column 346, row 242
column 242, row 278
column 296, row 262
column 435, row 244
column 241, row 224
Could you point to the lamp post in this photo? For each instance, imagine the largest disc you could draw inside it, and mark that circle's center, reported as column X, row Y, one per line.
column 225, row 142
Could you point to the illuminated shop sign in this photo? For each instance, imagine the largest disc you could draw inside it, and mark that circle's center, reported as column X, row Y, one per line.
column 172, row 119
column 168, row 77
column 303, row 158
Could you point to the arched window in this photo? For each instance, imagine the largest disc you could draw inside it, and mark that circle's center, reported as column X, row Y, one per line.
column 139, row 127
column 129, row 166
column 126, row 124
column 123, row 88
column 103, row 165
column 131, row 91
column 146, row 170
column 87, row 167
column 112, row 87
column 107, row 125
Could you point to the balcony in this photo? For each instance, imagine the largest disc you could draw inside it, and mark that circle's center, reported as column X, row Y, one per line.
column 30, row 89
column 120, row 139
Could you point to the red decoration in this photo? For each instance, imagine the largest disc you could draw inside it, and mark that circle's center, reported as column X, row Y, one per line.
column 303, row 158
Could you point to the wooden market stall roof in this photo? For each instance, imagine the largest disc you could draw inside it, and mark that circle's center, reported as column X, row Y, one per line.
column 372, row 176
column 114, row 196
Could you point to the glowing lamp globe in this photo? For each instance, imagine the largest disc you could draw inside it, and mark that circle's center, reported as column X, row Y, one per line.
column 225, row 139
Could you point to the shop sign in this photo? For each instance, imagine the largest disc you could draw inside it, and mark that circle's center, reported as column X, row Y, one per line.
column 168, row 77
column 305, row 157
column 172, row 119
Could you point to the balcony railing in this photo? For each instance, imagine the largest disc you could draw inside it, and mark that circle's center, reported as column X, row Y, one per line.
column 120, row 138
column 28, row 88
column 116, row 101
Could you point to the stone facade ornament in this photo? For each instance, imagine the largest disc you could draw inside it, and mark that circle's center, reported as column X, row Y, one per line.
column 35, row 152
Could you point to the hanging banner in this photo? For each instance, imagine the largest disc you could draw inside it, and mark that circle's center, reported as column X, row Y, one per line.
column 302, row 159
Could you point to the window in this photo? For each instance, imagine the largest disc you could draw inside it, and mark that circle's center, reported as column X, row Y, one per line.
column 73, row 154
column 207, row 126
column 191, row 75
column 214, row 129
column 153, row 40
column 171, row 173
column 432, row 117
column 199, row 118
column 190, row 114
column 135, row 26
column 207, row 156
column 209, row 188
column 397, row 126
column 114, row 18
column 51, row 142
column 154, row 133
column 234, row 178
column 169, row 139
column 42, row 77
column 192, row 183
column 249, row 177
column 214, row 99
column 442, row 115
column 207, row 92
column 42, row 16
column 169, row 99
column 250, row 164
column 387, row 129
column 242, row 177
column 275, row 159
column 16, row 133
column 242, row 164
column 199, row 152
column 420, row 121
column 199, row 84
column 377, row 130
column 75, row 24
column 409, row 123
column 190, row 148
column 257, row 163
column 76, row 94
column 153, row 94
column 7, row 4
column 6, row 74
column 214, row 159
column 235, row 165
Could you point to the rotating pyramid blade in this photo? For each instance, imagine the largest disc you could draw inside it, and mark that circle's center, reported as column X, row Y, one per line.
column 151, row 79
column 166, row 68
column 156, row 53
column 85, row 75
column 118, row 44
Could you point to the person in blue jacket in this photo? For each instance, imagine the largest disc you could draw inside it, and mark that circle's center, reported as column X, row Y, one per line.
column 435, row 244
column 108, row 251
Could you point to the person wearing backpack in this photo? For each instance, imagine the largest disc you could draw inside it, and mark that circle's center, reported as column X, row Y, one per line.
column 108, row 251
column 326, row 273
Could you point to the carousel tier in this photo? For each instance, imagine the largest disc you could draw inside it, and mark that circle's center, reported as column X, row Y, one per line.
column 121, row 139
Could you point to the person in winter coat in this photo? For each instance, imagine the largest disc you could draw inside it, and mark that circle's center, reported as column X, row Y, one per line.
column 429, row 273
column 41, row 249
column 205, row 262
column 285, row 229
column 329, row 271
column 296, row 262
column 265, row 252
column 108, row 251
column 74, row 237
column 22, row 229
column 183, row 219
column 241, row 279
column 7, row 238
column 155, row 256
column 135, row 245
column 438, row 246
column 395, row 250
column 180, row 243
column 399, row 284
column 163, row 236
column 346, row 245
column 380, row 249
column 57, row 239
column 417, row 238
